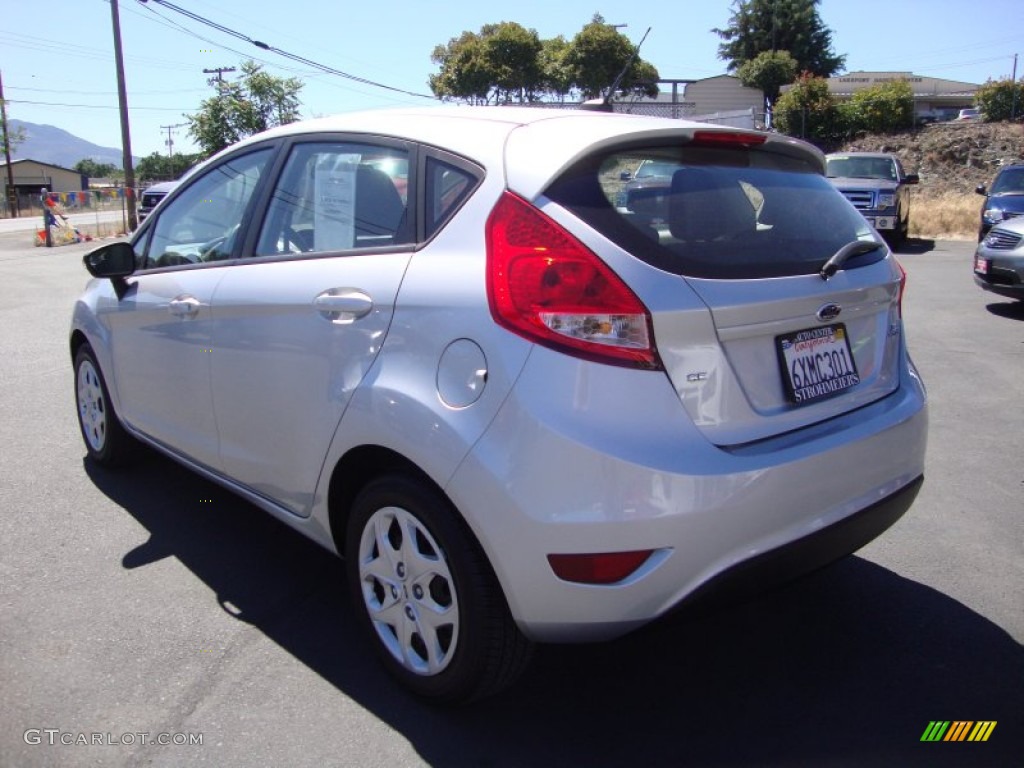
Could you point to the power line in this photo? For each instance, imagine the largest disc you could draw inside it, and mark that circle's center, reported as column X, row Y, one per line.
column 294, row 57
column 95, row 106
column 104, row 93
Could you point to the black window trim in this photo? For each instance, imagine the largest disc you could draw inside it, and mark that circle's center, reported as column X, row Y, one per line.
column 349, row 137
column 258, row 206
column 252, row 207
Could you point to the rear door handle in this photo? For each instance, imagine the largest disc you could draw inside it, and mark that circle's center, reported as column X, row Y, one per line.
column 343, row 305
column 184, row 306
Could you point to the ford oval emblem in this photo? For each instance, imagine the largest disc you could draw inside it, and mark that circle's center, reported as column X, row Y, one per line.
column 829, row 312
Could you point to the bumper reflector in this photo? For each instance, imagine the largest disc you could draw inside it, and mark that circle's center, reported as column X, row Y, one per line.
column 598, row 568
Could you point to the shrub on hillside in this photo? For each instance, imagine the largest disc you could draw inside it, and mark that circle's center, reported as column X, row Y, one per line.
column 882, row 108
column 995, row 99
column 808, row 110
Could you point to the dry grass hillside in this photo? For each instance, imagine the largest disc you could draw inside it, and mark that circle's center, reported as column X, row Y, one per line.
column 952, row 159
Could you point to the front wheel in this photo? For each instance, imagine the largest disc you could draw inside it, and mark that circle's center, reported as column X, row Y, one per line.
column 105, row 439
column 426, row 595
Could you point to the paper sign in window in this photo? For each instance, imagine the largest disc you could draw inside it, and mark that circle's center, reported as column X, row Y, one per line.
column 335, row 191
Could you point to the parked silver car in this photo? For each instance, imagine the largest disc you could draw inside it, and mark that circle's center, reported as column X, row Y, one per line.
column 999, row 260
column 520, row 411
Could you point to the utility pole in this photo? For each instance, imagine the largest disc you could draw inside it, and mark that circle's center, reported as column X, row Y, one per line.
column 170, row 141
column 1013, row 82
column 12, row 194
column 126, row 140
column 219, row 72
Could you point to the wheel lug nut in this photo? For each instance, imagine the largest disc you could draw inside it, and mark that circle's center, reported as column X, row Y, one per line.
column 410, row 613
column 400, row 570
column 417, row 592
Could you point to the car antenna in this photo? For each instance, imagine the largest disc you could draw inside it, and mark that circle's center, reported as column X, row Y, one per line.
column 605, row 104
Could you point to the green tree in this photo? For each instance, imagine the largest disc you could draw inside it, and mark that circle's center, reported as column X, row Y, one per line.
column 253, row 103
column 507, row 63
column 768, row 71
column 598, row 54
column 757, row 26
column 89, row 167
column 1001, row 100
column 158, row 167
column 514, row 55
column 464, row 71
column 882, row 108
column 556, row 80
column 499, row 64
column 808, row 110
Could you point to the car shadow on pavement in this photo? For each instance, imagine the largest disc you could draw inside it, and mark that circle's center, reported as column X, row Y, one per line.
column 846, row 667
column 914, row 245
column 1012, row 310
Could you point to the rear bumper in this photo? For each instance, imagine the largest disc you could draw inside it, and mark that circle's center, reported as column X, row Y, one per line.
column 804, row 555
column 585, row 458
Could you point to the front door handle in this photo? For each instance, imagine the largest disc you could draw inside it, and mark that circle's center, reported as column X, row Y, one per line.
column 184, row 306
column 343, row 305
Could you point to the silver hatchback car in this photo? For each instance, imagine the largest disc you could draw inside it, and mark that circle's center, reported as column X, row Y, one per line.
column 437, row 343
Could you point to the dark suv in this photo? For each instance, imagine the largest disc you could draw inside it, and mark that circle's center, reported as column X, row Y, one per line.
column 878, row 187
column 1003, row 200
column 151, row 196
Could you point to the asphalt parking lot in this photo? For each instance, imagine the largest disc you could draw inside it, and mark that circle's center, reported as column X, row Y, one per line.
column 154, row 604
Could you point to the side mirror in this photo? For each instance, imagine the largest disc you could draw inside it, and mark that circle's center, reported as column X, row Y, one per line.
column 912, row 178
column 625, row 175
column 113, row 260
column 980, row 189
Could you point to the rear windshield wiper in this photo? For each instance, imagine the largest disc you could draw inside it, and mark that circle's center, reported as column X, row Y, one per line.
column 856, row 248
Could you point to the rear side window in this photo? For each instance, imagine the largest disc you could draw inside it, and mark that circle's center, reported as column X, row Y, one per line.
column 726, row 213
column 447, row 187
column 338, row 196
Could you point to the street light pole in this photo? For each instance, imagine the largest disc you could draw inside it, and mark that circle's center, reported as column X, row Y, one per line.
column 122, row 101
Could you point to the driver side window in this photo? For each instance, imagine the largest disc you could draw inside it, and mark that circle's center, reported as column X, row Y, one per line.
column 201, row 224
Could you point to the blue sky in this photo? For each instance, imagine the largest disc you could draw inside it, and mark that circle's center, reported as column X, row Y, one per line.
column 57, row 58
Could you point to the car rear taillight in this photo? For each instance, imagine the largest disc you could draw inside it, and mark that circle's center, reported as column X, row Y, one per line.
column 598, row 568
column 546, row 286
column 903, row 286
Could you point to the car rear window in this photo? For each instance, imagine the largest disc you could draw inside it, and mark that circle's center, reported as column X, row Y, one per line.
column 725, row 213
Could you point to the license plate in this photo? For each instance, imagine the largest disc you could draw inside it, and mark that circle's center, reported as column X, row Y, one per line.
column 816, row 363
column 981, row 265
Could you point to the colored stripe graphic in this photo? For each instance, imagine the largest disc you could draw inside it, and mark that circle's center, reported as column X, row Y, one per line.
column 935, row 731
column 958, row 730
column 982, row 730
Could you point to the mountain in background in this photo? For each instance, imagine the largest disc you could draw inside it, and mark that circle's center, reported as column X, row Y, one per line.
column 48, row 144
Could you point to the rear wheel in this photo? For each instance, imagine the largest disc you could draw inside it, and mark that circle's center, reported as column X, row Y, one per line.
column 427, row 596
column 105, row 439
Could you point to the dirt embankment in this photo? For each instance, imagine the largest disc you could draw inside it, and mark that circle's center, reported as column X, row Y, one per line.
column 950, row 157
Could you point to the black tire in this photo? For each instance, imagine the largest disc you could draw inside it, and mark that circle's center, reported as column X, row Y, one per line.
column 445, row 598
column 105, row 439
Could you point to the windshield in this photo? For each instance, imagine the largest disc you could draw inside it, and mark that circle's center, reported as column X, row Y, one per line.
column 720, row 213
column 1009, row 182
column 861, row 168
